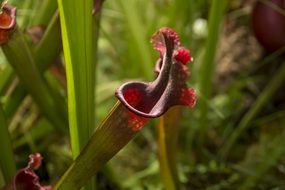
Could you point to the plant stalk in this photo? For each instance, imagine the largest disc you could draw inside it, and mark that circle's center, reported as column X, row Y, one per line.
column 217, row 10
column 7, row 162
column 167, row 142
column 47, row 44
column 20, row 57
column 110, row 137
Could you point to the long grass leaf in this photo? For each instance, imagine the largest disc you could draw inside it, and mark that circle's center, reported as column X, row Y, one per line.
column 78, row 45
column 138, row 36
column 45, row 11
column 77, row 25
column 208, row 64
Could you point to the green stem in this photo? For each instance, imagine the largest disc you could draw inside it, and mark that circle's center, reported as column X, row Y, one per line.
column 14, row 100
column 51, row 43
column 265, row 97
column 47, row 44
column 167, row 142
column 208, row 66
column 110, row 137
column 6, row 77
column 20, row 57
column 44, row 12
column 24, row 22
column 48, row 16
column 7, row 162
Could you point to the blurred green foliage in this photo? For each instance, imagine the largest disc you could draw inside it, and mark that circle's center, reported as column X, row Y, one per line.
column 242, row 74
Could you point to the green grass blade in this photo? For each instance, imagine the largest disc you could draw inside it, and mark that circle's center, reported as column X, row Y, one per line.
column 208, row 65
column 273, row 85
column 50, row 42
column 6, row 77
column 24, row 21
column 44, row 12
column 42, row 129
column 7, row 162
column 78, row 46
column 77, row 24
column 13, row 101
column 138, row 36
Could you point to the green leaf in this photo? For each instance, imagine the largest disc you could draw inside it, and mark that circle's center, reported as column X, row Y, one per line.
column 78, row 45
column 78, row 36
column 44, row 12
column 135, row 28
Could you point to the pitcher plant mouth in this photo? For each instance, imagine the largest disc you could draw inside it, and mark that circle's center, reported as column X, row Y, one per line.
column 7, row 22
column 153, row 99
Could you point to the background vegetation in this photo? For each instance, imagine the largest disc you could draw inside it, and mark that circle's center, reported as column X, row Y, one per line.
column 232, row 139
